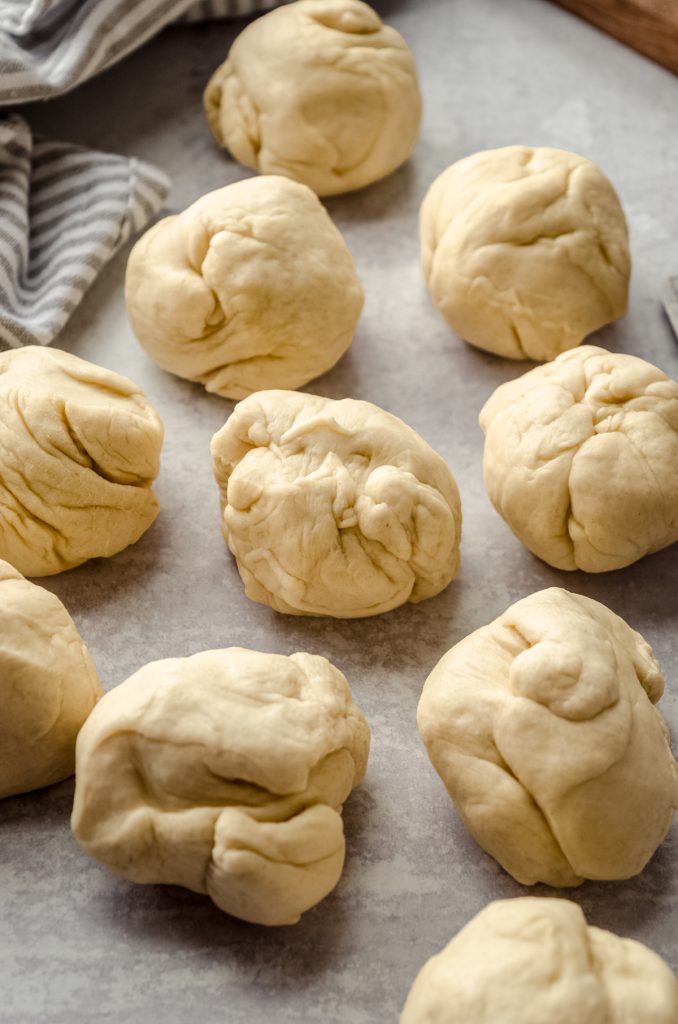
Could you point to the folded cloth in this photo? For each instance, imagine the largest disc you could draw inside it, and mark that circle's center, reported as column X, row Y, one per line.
column 50, row 46
column 64, row 211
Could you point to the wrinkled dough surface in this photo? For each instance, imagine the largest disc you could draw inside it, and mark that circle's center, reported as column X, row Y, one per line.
column 334, row 507
column 543, row 728
column 525, row 251
column 581, row 459
column 79, row 450
column 251, row 287
column 319, row 91
column 226, row 773
column 48, row 686
column 532, row 961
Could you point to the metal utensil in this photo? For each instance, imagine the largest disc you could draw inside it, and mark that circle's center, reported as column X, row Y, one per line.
column 669, row 297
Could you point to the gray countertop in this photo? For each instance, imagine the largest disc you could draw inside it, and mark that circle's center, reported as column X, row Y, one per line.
column 78, row 945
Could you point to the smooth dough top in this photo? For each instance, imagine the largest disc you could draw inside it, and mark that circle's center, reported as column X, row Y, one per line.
column 543, row 728
column 79, row 450
column 251, row 287
column 536, row 961
column 525, row 251
column 334, row 507
column 581, row 459
column 48, row 686
column 320, row 91
column 226, row 773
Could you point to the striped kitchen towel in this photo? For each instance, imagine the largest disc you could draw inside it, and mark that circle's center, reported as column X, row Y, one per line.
column 64, row 211
column 49, row 46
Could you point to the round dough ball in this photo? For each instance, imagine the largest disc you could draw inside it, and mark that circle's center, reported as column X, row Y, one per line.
column 251, row 287
column 48, row 686
column 581, row 459
column 533, row 961
column 79, row 449
column 320, row 91
column 334, row 507
column 543, row 728
column 525, row 251
column 226, row 773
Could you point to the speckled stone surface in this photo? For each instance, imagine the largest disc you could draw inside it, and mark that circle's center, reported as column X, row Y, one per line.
column 79, row 946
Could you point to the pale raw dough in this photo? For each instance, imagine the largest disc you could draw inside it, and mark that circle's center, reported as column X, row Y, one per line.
column 249, row 288
column 320, row 91
column 79, row 450
column 48, row 686
column 536, row 961
column 581, row 459
column 525, row 251
column 334, row 507
column 543, row 728
column 226, row 773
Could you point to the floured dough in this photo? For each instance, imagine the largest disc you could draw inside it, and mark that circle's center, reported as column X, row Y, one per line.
column 536, row 961
column 226, row 773
column 79, row 450
column 48, row 686
column 251, row 287
column 334, row 507
column 525, row 251
column 581, row 459
column 543, row 728
column 320, row 91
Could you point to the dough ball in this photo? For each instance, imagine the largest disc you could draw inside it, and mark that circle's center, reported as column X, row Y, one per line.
column 320, row 91
column 334, row 507
column 48, row 686
column 543, row 728
column 226, row 773
column 536, row 961
column 581, row 459
column 251, row 287
column 525, row 251
column 79, row 449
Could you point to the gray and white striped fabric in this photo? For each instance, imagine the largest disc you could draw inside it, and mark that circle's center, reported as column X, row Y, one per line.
column 49, row 46
column 204, row 9
column 64, row 211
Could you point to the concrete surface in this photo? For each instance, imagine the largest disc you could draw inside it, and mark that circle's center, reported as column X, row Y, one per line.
column 78, row 945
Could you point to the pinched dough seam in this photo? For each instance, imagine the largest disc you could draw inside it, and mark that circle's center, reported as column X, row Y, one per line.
column 240, row 846
column 264, row 554
column 646, row 462
column 367, row 545
column 269, row 356
column 26, row 514
column 57, row 454
column 506, row 308
column 570, row 517
column 230, row 71
column 500, row 304
column 132, row 733
column 519, row 180
column 504, row 766
column 330, row 167
column 94, row 466
column 55, row 721
column 132, row 396
column 529, row 644
column 410, row 527
column 585, row 400
column 577, row 448
column 206, row 379
column 601, row 242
